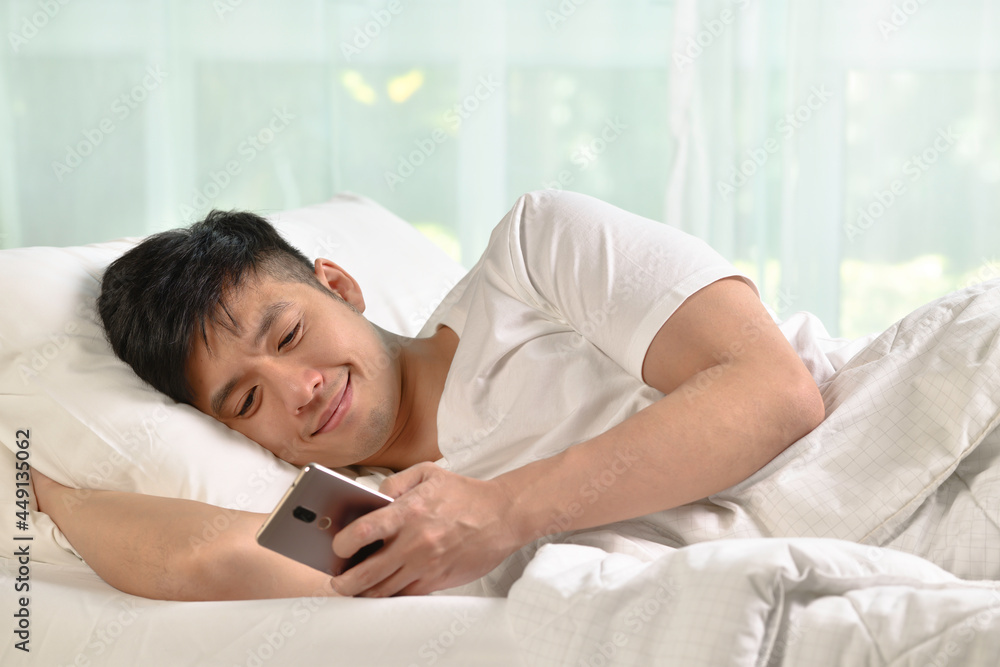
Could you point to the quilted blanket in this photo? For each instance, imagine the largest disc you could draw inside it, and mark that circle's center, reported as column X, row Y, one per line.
column 874, row 540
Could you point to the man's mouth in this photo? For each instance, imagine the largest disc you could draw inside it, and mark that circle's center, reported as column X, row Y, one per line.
column 335, row 412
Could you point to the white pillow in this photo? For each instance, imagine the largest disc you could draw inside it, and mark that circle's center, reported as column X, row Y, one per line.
column 94, row 424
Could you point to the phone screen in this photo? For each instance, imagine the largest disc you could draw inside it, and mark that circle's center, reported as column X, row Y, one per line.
column 316, row 507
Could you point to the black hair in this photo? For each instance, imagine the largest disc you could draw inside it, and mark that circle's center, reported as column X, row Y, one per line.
column 157, row 295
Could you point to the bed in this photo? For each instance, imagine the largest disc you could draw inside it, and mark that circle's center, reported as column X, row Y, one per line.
column 873, row 540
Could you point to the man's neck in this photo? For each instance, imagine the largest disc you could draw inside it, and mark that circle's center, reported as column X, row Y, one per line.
column 424, row 364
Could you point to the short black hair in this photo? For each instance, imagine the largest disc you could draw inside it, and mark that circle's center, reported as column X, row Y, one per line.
column 159, row 293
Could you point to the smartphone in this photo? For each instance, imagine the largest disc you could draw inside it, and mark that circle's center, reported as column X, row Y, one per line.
column 318, row 504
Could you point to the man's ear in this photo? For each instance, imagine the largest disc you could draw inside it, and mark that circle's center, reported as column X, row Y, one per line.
column 339, row 282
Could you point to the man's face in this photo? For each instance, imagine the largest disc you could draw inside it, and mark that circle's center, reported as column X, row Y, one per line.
column 297, row 355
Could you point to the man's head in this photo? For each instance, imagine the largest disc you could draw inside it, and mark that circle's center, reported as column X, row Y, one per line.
column 228, row 317
column 158, row 295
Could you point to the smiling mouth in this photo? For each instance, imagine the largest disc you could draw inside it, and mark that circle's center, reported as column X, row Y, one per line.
column 334, row 414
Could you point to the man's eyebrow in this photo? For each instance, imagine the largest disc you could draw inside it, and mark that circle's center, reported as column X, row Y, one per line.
column 267, row 320
column 221, row 396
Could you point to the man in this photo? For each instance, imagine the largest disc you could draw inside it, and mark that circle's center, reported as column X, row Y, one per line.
column 592, row 367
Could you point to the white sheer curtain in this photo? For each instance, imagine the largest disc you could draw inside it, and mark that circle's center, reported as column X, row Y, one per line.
column 120, row 117
column 845, row 151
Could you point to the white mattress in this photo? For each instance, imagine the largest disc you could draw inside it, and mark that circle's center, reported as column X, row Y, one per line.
column 77, row 619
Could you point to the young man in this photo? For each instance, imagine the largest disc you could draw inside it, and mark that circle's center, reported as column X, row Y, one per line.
column 594, row 366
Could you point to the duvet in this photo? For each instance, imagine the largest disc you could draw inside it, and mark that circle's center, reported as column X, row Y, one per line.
column 874, row 540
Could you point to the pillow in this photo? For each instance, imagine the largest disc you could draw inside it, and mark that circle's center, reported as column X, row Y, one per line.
column 94, row 424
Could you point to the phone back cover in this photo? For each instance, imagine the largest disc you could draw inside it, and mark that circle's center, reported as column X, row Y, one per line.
column 329, row 497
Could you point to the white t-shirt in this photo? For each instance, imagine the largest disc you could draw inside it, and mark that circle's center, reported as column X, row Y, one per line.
column 554, row 322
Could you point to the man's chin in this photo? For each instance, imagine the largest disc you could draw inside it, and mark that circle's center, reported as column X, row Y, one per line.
column 299, row 458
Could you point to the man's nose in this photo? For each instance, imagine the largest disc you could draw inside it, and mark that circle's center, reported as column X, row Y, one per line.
column 299, row 385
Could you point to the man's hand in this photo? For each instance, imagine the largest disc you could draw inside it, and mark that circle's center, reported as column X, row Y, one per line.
column 443, row 530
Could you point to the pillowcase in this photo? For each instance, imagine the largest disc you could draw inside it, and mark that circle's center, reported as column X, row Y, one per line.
column 93, row 423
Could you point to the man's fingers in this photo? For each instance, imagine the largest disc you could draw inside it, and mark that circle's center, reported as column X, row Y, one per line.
column 364, row 576
column 429, row 531
column 396, row 485
column 378, row 525
column 379, row 576
column 392, row 585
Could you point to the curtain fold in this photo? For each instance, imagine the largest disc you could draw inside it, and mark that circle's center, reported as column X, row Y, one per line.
column 845, row 153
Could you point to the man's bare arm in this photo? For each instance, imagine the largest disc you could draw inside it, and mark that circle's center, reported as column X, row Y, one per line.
column 736, row 396
column 158, row 548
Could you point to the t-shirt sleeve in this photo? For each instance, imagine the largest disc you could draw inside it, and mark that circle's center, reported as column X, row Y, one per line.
column 613, row 276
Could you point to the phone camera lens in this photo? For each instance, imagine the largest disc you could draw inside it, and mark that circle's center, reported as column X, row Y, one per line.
column 303, row 514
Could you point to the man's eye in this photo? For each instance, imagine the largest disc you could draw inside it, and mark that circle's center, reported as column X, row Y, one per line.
column 247, row 403
column 289, row 337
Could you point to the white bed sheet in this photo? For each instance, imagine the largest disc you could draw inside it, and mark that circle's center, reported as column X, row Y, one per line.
column 77, row 619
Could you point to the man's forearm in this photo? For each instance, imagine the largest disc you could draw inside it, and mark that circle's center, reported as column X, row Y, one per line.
column 690, row 444
column 162, row 548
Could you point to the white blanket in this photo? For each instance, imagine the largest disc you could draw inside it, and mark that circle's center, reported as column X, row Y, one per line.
column 907, row 458
column 806, row 601
column 902, row 458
